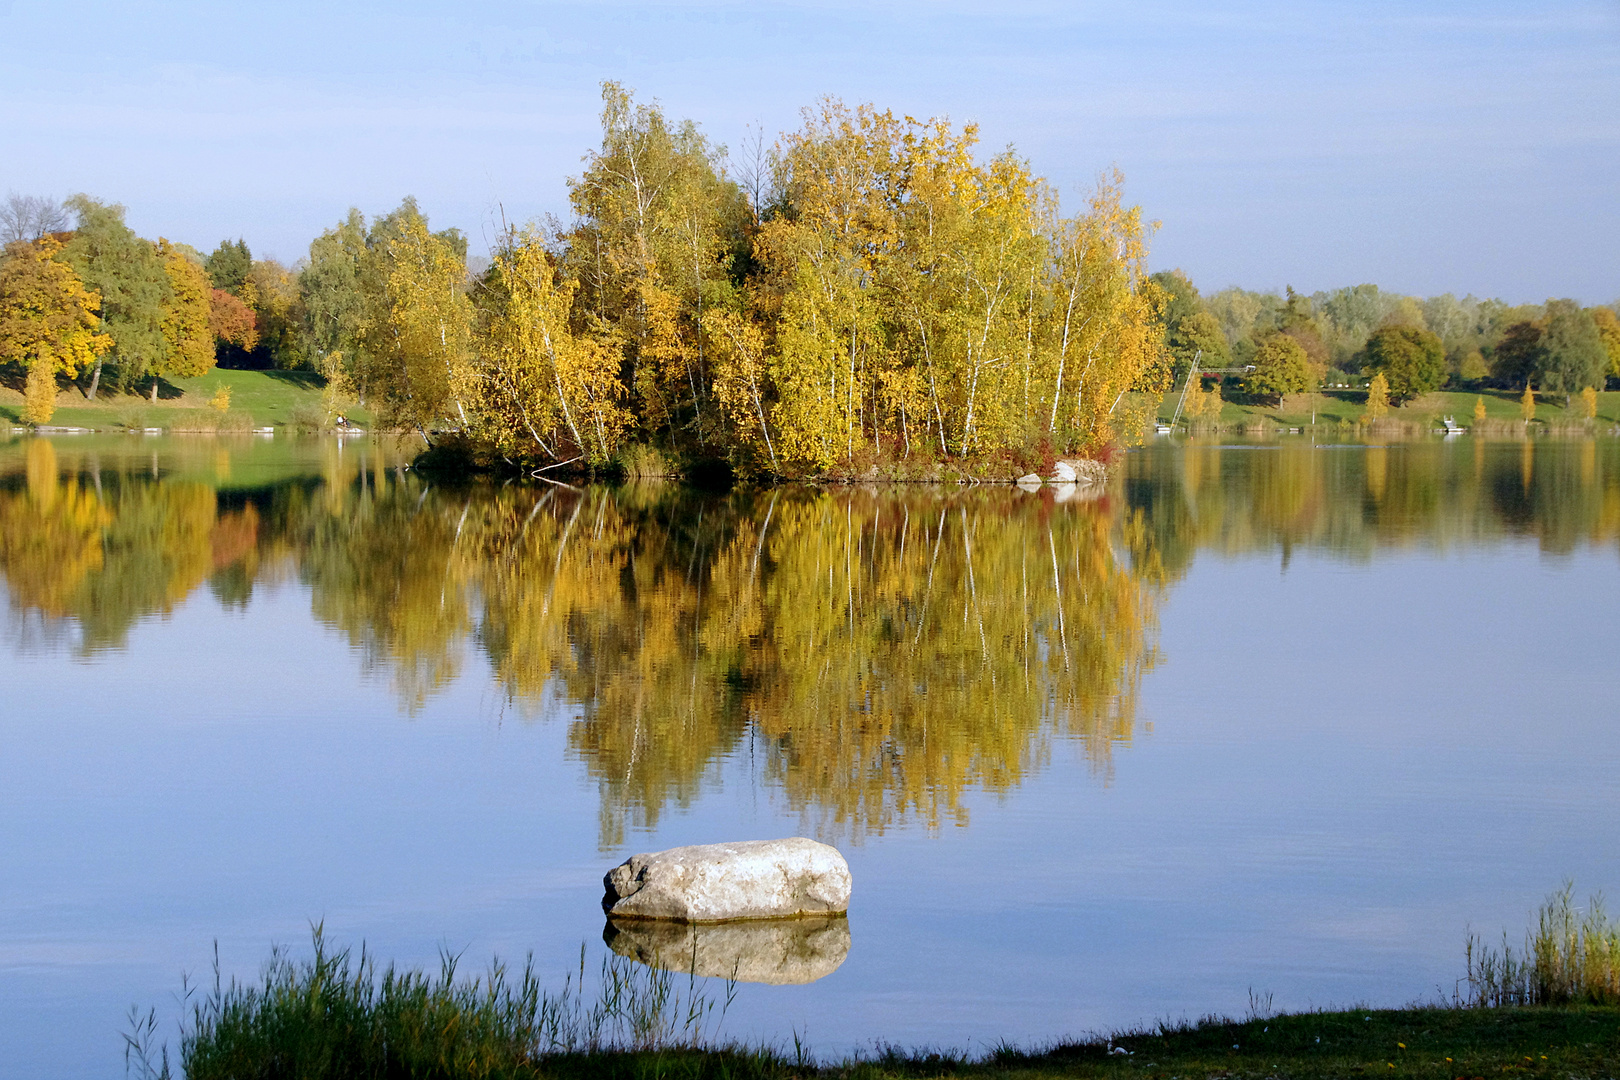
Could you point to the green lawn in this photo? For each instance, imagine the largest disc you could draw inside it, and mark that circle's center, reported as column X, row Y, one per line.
column 258, row 399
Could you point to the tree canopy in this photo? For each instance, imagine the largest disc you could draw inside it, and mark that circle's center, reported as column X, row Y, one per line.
column 1280, row 367
column 1411, row 359
column 48, row 321
column 133, row 284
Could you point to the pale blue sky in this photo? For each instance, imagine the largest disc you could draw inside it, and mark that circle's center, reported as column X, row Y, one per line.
column 1427, row 147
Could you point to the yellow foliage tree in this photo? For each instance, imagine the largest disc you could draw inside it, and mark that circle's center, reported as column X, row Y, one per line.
column 1378, row 397
column 1479, row 409
column 1527, row 404
column 546, row 392
column 658, row 223
column 928, row 300
column 424, row 339
column 1589, row 403
column 48, row 321
column 739, row 377
column 186, row 329
column 1609, row 332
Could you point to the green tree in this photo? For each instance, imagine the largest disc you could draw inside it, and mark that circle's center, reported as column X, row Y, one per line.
column 1572, row 355
column 129, row 275
column 1280, row 367
column 1199, row 337
column 1519, row 354
column 229, row 265
column 339, row 321
column 278, row 316
column 1410, row 358
column 333, row 300
column 1180, row 305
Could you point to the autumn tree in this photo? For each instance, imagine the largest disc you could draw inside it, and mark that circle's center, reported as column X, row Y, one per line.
column 187, row 333
column 278, row 315
column 1100, row 332
column 838, row 176
column 129, row 275
column 1608, row 327
column 231, row 321
column 543, row 391
column 421, row 342
column 1527, row 404
column 1410, row 358
column 346, row 315
column 658, row 227
column 48, row 322
column 1479, row 409
column 1588, row 403
column 1280, row 367
column 1378, row 397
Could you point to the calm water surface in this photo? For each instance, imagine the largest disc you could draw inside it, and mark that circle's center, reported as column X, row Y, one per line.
column 1285, row 718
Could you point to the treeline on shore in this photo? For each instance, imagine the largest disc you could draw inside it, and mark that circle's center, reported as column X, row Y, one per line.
column 868, row 288
column 1258, row 346
column 864, row 292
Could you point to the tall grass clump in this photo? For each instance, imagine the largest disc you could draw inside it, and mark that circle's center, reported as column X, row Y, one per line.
column 308, row 417
column 335, row 1015
column 1569, row 957
column 639, row 461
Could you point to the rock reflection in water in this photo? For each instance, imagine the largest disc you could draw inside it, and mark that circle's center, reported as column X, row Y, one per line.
column 781, row 952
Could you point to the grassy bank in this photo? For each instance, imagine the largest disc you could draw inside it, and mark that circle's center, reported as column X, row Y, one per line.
column 281, row 399
column 1558, row 1042
column 1348, row 408
column 1550, row 1010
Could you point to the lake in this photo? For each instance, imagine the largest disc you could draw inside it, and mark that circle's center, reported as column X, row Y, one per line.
column 1263, row 719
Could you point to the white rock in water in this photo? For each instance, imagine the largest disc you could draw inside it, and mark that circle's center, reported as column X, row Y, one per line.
column 1029, row 481
column 754, row 879
column 1079, row 471
column 781, row 952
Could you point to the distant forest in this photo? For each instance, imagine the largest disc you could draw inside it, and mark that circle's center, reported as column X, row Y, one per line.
column 865, row 290
column 1419, row 344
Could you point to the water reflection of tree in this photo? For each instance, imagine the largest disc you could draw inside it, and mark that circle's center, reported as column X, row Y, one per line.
column 878, row 653
column 1351, row 502
column 106, row 550
column 885, row 652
